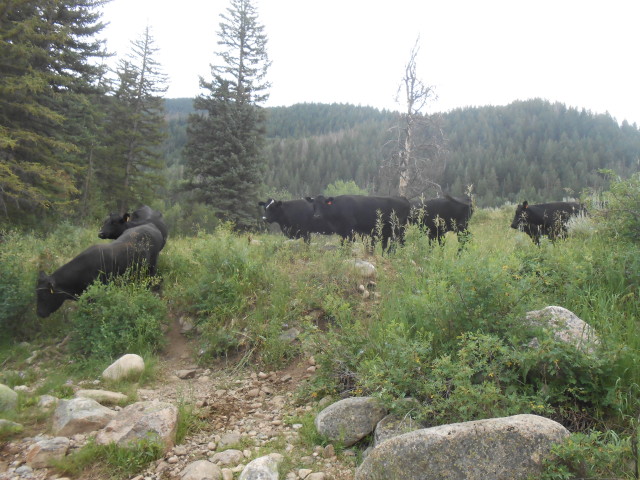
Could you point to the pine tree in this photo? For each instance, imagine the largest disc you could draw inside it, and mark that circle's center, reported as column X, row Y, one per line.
column 225, row 139
column 46, row 47
column 131, row 169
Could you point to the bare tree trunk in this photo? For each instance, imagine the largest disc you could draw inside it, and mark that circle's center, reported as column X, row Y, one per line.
column 418, row 160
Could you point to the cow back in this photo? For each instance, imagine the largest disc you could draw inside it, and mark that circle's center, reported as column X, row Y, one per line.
column 137, row 247
column 361, row 213
column 545, row 218
column 446, row 213
column 116, row 224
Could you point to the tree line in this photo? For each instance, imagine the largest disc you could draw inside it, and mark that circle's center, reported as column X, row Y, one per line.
column 534, row 150
column 78, row 139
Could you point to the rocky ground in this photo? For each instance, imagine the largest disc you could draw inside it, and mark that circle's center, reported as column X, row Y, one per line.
column 250, row 411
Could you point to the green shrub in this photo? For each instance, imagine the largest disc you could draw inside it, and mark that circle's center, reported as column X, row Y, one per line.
column 340, row 187
column 17, row 286
column 111, row 461
column 593, row 455
column 622, row 206
column 123, row 316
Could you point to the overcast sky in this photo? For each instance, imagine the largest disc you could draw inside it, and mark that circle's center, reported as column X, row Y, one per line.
column 582, row 53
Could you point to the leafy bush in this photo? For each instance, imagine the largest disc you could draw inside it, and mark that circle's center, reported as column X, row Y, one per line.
column 120, row 317
column 592, row 455
column 622, row 206
column 216, row 278
column 111, row 461
column 17, row 286
column 340, row 187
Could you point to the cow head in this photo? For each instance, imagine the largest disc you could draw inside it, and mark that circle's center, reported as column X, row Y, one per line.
column 321, row 206
column 272, row 210
column 114, row 225
column 48, row 298
column 521, row 215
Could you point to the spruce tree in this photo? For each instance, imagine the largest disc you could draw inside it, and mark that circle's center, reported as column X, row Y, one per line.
column 46, row 47
column 226, row 135
column 133, row 160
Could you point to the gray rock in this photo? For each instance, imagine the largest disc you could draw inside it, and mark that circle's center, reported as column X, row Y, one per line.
column 8, row 398
column 41, row 454
column 263, row 468
column 392, row 426
column 229, row 439
column 228, row 457
column 125, row 366
column 80, row 415
column 201, row 470
column 509, row 448
column 186, row 374
column 316, row 476
column 104, row 397
column 48, row 401
column 567, row 327
column 350, row 420
column 139, row 421
column 363, row 268
column 289, row 335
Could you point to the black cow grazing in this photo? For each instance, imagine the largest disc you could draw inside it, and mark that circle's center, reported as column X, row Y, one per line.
column 295, row 218
column 136, row 247
column 115, row 224
column 437, row 216
column 348, row 215
column 545, row 219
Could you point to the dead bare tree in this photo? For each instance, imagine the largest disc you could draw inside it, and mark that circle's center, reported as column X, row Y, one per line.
column 418, row 158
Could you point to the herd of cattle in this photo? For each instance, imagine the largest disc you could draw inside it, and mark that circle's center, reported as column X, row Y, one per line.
column 138, row 238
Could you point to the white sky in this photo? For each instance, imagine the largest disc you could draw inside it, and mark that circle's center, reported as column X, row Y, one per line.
column 583, row 53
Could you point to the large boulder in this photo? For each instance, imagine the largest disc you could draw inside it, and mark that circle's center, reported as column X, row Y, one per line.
column 8, row 398
column 350, row 420
column 129, row 364
column 566, row 326
column 509, row 448
column 139, row 421
column 80, row 415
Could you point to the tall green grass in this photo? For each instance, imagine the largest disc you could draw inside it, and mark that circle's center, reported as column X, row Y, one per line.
column 443, row 325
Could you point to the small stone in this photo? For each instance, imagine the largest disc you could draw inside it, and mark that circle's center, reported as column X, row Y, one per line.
column 304, row 472
column 329, row 451
column 172, row 460
column 227, row 474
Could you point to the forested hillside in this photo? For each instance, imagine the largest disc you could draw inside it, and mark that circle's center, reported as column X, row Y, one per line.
column 529, row 149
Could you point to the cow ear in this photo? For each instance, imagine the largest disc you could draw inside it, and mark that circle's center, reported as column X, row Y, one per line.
column 45, row 281
column 279, row 203
column 525, row 204
column 309, row 199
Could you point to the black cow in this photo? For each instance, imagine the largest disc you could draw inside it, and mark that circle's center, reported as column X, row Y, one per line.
column 545, row 219
column 115, row 224
column 437, row 216
column 295, row 218
column 136, row 247
column 348, row 215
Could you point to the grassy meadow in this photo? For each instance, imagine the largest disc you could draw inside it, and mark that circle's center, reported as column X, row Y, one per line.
column 441, row 326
